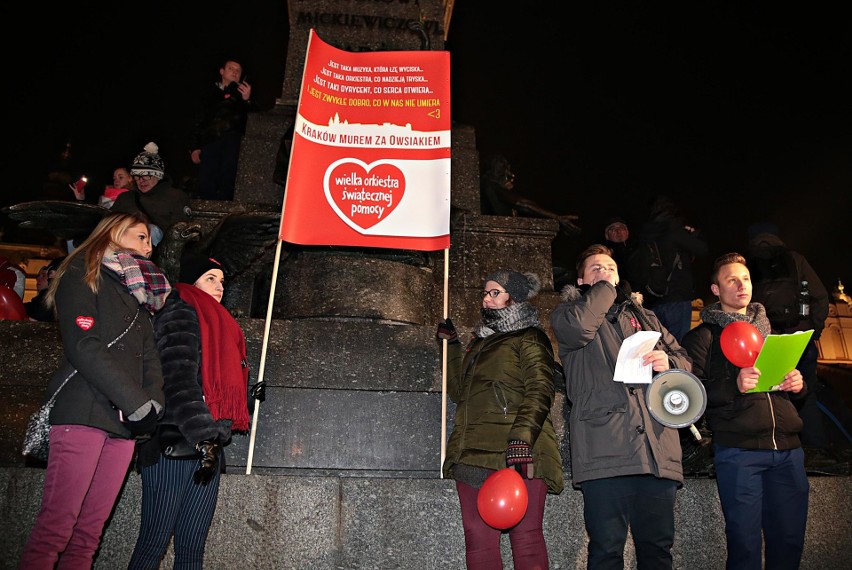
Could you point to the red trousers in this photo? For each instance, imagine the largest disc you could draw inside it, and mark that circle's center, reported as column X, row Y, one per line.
column 482, row 541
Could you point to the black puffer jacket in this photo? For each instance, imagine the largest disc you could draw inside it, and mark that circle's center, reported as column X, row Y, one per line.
column 178, row 337
column 764, row 420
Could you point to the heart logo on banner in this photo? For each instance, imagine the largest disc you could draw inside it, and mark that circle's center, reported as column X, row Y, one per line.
column 85, row 323
column 363, row 194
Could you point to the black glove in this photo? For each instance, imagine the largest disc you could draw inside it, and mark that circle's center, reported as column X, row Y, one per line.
column 519, row 456
column 622, row 291
column 258, row 391
column 446, row 330
column 210, row 451
column 145, row 426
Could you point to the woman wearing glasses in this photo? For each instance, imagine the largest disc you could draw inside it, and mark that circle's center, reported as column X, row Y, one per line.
column 502, row 384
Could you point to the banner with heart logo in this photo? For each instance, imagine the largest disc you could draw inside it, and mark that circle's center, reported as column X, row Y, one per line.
column 370, row 159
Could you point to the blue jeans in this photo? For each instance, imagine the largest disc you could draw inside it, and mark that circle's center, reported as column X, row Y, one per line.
column 763, row 491
column 643, row 503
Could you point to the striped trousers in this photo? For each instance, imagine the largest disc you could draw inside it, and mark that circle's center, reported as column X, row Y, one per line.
column 173, row 504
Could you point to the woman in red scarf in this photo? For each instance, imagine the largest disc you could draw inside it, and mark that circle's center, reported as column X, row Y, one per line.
column 205, row 373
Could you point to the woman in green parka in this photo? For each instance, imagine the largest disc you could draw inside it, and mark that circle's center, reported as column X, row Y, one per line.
column 502, row 384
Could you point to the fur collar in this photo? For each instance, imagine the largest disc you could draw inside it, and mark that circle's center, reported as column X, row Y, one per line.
column 571, row 293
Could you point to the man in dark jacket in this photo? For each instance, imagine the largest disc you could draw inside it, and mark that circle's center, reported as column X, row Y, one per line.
column 219, row 130
column 777, row 273
column 760, row 470
column 675, row 245
column 627, row 464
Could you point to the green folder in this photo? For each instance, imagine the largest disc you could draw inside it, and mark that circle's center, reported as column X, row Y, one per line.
column 779, row 355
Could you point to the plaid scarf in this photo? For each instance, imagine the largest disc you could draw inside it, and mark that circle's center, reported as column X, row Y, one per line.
column 224, row 365
column 512, row 318
column 143, row 278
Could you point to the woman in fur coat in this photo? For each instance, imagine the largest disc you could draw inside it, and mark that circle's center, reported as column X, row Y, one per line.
column 205, row 371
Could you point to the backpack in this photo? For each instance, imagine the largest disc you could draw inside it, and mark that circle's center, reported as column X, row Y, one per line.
column 649, row 271
column 775, row 285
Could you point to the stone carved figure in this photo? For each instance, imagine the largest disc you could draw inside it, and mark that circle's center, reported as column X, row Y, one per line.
column 498, row 197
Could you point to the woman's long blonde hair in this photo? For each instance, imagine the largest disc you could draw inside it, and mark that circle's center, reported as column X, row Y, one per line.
column 104, row 238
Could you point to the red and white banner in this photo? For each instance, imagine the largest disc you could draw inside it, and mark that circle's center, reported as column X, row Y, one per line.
column 370, row 160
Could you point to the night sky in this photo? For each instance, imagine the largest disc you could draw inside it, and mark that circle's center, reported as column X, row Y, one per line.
column 738, row 111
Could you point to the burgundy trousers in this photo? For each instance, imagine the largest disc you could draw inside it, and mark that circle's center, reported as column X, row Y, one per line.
column 85, row 471
column 482, row 541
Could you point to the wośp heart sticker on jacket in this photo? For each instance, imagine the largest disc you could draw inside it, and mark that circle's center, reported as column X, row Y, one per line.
column 85, row 323
column 363, row 194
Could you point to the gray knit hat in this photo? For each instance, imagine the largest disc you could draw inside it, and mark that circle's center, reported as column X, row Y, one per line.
column 520, row 286
column 148, row 163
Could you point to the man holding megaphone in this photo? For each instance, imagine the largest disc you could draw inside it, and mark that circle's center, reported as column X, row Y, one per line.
column 625, row 461
column 760, row 467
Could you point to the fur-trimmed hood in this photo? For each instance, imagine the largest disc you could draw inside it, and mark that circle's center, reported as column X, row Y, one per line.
column 571, row 293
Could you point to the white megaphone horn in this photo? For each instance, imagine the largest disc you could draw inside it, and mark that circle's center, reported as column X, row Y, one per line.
column 677, row 398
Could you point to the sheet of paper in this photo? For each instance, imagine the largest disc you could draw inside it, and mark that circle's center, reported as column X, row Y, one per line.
column 629, row 367
column 779, row 355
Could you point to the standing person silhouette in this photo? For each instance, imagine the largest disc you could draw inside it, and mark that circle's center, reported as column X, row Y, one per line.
column 777, row 273
column 675, row 245
column 220, row 125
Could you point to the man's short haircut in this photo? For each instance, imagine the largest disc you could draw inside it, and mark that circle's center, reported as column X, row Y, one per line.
column 723, row 260
column 594, row 249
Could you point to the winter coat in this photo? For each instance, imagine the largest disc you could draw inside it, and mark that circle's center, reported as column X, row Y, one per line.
column 503, row 389
column 122, row 377
column 772, row 266
column 762, row 420
column 222, row 112
column 678, row 247
column 163, row 204
column 612, row 433
column 187, row 420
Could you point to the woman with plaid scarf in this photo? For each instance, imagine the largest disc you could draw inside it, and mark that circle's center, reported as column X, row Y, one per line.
column 103, row 295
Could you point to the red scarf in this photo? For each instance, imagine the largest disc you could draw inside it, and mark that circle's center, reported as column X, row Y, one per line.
column 224, row 379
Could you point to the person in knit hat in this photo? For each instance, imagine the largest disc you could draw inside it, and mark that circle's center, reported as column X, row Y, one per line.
column 206, row 400
column 502, row 384
column 154, row 194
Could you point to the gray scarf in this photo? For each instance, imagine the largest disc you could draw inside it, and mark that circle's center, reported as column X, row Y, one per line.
column 515, row 317
column 755, row 314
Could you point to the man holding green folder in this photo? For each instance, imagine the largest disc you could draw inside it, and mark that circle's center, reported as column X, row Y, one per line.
column 760, row 470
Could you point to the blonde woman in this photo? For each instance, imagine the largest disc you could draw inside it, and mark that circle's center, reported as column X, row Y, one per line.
column 103, row 295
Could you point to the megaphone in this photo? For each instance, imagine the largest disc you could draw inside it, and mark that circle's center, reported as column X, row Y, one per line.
column 677, row 398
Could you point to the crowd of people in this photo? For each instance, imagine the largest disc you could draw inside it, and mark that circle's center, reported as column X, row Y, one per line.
column 174, row 412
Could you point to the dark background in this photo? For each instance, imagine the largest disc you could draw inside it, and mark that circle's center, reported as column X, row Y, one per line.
column 740, row 112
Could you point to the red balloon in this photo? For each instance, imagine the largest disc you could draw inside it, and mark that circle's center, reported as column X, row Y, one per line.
column 11, row 306
column 503, row 499
column 741, row 343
